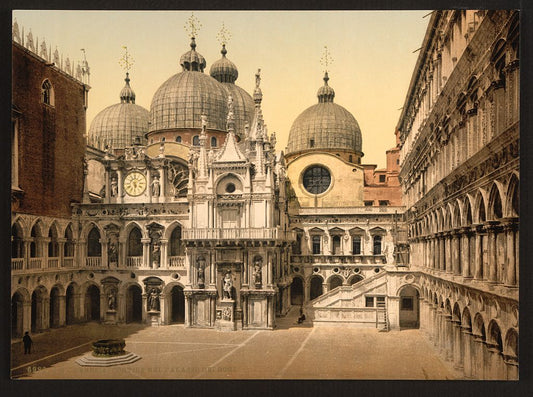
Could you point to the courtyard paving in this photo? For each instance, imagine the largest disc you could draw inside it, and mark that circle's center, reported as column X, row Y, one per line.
column 290, row 352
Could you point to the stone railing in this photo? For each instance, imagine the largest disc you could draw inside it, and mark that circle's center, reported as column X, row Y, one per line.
column 134, row 261
column 238, row 234
column 176, row 261
column 371, row 316
column 93, row 261
column 35, row 263
column 340, row 259
column 351, row 210
column 53, row 263
column 68, row 261
column 17, row 263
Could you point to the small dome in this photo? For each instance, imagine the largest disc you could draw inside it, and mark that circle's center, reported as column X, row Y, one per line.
column 223, row 70
column 325, row 126
column 192, row 60
column 118, row 125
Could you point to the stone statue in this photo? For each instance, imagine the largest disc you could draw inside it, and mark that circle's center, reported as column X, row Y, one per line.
column 228, row 284
column 112, row 251
column 114, row 187
column 257, row 272
column 112, row 300
column 153, row 300
column 162, row 150
column 201, row 276
column 156, row 256
column 156, row 188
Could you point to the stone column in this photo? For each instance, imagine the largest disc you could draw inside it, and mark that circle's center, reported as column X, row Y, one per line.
column 104, row 257
column 465, row 251
column 162, row 185
column 492, row 254
column 511, row 271
column 61, row 247
column 511, row 367
column 26, row 316
column 164, row 255
column 495, row 363
column 442, row 264
column 62, row 310
column 26, row 244
column 458, row 344
column 144, row 304
column 478, row 362
column 119, row 183
column 212, row 270
column 456, row 262
column 146, row 252
column 163, row 308
column 467, row 352
column 478, row 255
column 188, row 309
column 448, row 340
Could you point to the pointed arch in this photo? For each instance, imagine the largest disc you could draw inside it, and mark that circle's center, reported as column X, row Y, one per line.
column 511, row 343
column 466, row 319
column 479, row 327
column 480, row 208
column 495, row 207
column 512, row 197
column 494, row 335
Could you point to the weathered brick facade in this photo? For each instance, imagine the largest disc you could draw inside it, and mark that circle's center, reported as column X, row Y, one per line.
column 51, row 141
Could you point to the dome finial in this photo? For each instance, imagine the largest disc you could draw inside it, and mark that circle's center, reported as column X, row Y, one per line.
column 192, row 26
column 191, row 60
column 258, row 94
column 127, row 95
column 326, row 93
column 326, row 59
column 223, row 37
column 326, row 78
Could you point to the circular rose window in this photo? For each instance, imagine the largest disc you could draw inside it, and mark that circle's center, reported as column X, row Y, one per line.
column 230, row 188
column 316, row 179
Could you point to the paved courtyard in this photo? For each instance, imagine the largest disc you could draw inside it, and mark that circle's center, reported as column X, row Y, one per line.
column 290, row 352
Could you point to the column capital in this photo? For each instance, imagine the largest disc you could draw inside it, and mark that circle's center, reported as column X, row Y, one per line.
column 510, row 224
column 146, row 240
column 491, row 226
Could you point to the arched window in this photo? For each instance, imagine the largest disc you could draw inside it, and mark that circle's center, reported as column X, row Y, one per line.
column 94, row 248
column 47, row 93
column 135, row 247
column 356, row 245
column 69, row 244
column 176, row 245
column 16, row 242
column 297, row 245
column 316, row 245
column 213, row 141
column 196, row 140
column 178, row 139
column 53, row 245
column 377, row 245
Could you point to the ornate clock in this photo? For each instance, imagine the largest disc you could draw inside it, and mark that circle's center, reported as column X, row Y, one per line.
column 135, row 183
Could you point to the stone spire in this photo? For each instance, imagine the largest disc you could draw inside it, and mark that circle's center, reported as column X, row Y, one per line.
column 230, row 152
column 202, row 158
column 256, row 129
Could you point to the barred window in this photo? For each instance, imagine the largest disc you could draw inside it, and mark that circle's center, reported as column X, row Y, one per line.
column 316, row 179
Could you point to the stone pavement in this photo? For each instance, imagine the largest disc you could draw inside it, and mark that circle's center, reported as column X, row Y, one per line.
column 290, row 352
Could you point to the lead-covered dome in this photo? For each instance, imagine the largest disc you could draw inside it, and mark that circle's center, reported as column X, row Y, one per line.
column 225, row 72
column 325, row 126
column 181, row 100
column 118, row 125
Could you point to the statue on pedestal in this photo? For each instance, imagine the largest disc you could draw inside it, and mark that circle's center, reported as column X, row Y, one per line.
column 156, row 188
column 200, row 263
column 227, row 286
column 114, row 187
column 153, row 300
column 257, row 272
column 112, row 300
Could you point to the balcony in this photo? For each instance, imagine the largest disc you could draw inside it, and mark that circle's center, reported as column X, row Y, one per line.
column 53, row 263
column 35, row 263
column 17, row 263
column 93, row 261
column 134, row 261
column 68, row 261
column 238, row 234
column 340, row 259
column 176, row 262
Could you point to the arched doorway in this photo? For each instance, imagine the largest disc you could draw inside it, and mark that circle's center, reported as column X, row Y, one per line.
column 315, row 287
column 92, row 303
column 355, row 279
column 54, row 307
column 178, row 305
column 38, row 309
column 334, row 282
column 297, row 291
column 17, row 315
column 134, row 304
column 409, row 307
column 69, row 305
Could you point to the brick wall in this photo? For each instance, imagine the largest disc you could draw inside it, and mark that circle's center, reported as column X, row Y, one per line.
column 51, row 143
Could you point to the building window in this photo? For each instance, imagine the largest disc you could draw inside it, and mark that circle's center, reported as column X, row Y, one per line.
column 356, row 245
column 311, row 143
column 380, row 301
column 94, row 248
column 47, row 93
column 383, row 202
column 368, row 203
column 406, row 303
column 296, row 246
column 163, row 139
column 213, row 141
column 350, row 158
column 377, row 245
column 369, row 301
column 196, row 140
column 178, row 139
column 382, row 178
column 135, row 247
column 316, row 179
column 337, row 245
column 316, row 245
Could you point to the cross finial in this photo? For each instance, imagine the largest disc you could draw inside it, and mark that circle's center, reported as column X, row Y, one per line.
column 126, row 61
column 83, row 50
column 192, row 26
column 224, row 35
column 258, row 78
column 326, row 59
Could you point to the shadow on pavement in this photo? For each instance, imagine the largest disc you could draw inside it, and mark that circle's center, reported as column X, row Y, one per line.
column 61, row 344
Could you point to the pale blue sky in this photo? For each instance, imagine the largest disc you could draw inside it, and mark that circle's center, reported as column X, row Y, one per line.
column 372, row 52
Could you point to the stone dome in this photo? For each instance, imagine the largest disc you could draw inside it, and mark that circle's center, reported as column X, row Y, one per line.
column 118, row 125
column 181, row 100
column 325, row 126
column 223, row 70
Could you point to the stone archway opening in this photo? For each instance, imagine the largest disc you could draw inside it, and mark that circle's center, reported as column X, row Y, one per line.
column 355, row 279
column 17, row 315
column 69, row 305
column 334, row 282
column 177, row 314
column 315, row 287
column 54, row 307
column 92, row 303
column 297, row 291
column 134, row 304
column 409, row 307
column 38, row 309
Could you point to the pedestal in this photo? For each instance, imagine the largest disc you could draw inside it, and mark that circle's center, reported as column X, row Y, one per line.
column 154, row 318
column 225, row 315
column 110, row 317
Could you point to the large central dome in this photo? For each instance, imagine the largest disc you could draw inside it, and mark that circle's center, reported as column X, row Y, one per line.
column 184, row 97
column 325, row 126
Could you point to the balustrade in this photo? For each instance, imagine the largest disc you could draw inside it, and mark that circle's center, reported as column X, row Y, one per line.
column 17, row 263
column 176, row 261
column 53, row 263
column 93, row 261
column 68, row 262
column 35, row 263
column 134, row 261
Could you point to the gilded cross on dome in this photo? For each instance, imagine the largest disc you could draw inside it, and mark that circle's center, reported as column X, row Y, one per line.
column 192, row 26
column 126, row 61
column 326, row 59
column 224, row 35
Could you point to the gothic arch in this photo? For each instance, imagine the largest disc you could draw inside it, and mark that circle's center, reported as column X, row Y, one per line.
column 494, row 334
column 511, row 342
column 466, row 319
column 170, row 229
column 60, row 288
column 128, row 227
column 85, row 286
column 88, row 227
column 168, row 287
column 456, row 312
column 512, row 198
column 23, row 292
column 21, row 225
column 495, row 207
column 478, row 327
column 456, row 217
column 480, row 208
column 38, row 225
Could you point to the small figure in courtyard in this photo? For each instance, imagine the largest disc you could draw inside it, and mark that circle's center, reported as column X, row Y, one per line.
column 156, row 188
column 26, row 340
column 153, row 300
column 228, row 284
column 111, row 300
column 301, row 318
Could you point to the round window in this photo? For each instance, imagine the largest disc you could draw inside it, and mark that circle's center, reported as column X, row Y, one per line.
column 316, row 179
column 230, row 188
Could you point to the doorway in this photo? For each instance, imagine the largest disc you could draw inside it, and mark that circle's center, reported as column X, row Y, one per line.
column 17, row 315
column 297, row 291
column 92, row 303
column 134, row 304
column 316, row 287
column 409, row 307
column 178, row 305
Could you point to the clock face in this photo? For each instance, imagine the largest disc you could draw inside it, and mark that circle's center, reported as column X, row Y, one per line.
column 135, row 183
